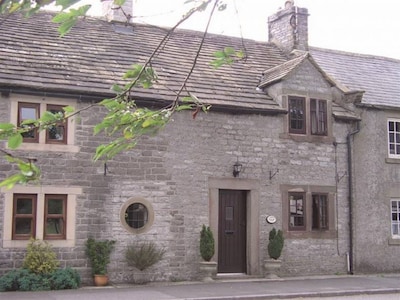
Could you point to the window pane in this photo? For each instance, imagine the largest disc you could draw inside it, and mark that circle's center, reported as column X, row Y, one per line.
column 55, row 206
column 296, row 212
column 23, row 226
column 54, row 226
column 57, row 133
column 391, row 126
column 28, row 113
column 24, row 206
column 136, row 215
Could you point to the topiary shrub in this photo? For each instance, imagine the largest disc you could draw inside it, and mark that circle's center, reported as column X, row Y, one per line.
column 99, row 253
column 26, row 280
column 40, row 257
column 143, row 256
column 207, row 243
column 276, row 242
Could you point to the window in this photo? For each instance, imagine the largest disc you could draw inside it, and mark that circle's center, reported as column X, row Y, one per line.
column 41, row 212
column 56, row 134
column 395, row 212
column 297, row 115
column 29, row 111
column 137, row 215
column 24, row 216
column 319, row 212
column 308, row 211
column 296, row 211
column 318, row 117
column 59, row 137
column 55, row 216
column 308, row 116
column 394, row 138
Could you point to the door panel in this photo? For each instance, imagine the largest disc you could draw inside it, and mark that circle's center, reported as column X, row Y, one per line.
column 232, row 231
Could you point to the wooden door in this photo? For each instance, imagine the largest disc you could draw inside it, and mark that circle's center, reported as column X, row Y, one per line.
column 232, row 231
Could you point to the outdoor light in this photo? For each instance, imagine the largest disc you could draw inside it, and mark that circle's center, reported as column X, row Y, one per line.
column 237, row 168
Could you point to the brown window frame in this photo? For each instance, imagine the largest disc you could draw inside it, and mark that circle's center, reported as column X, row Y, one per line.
column 297, row 102
column 35, row 131
column 318, row 117
column 294, row 227
column 63, row 217
column 320, row 211
column 63, row 124
column 16, row 216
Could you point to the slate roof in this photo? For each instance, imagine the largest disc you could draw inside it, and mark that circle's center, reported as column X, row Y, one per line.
column 89, row 59
column 378, row 76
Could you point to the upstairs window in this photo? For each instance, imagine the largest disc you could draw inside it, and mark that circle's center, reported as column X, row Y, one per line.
column 394, row 138
column 308, row 116
column 29, row 111
column 55, row 134
column 297, row 115
column 318, row 114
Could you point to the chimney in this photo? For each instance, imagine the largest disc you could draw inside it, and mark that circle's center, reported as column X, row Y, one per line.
column 112, row 14
column 288, row 28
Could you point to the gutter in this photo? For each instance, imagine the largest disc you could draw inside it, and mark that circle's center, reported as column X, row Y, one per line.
column 350, row 195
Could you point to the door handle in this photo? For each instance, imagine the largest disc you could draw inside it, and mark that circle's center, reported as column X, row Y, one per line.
column 229, row 231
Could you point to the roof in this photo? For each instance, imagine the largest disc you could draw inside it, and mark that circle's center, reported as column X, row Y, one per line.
column 378, row 76
column 96, row 53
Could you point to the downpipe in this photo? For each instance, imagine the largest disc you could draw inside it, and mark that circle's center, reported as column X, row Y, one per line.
column 350, row 198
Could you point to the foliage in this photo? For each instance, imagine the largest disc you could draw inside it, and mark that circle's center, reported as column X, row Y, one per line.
column 227, row 56
column 99, row 253
column 207, row 243
column 276, row 242
column 25, row 280
column 144, row 256
column 40, row 257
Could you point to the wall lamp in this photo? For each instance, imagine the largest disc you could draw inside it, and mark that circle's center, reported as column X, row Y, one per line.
column 237, row 168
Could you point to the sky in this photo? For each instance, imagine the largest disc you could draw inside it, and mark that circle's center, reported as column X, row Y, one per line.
column 361, row 26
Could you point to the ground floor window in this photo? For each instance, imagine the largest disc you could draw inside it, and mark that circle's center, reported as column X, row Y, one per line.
column 395, row 212
column 137, row 215
column 44, row 213
column 308, row 211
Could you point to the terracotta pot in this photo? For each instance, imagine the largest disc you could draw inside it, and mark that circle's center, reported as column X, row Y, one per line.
column 100, row 280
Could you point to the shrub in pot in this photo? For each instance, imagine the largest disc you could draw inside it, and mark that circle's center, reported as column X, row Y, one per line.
column 99, row 253
column 275, row 247
column 207, row 250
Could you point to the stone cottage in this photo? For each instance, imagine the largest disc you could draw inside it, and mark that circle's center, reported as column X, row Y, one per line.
column 314, row 132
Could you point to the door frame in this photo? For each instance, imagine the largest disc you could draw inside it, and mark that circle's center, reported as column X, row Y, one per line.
column 252, row 216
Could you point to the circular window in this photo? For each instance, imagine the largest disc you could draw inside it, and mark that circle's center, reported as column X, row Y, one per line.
column 137, row 215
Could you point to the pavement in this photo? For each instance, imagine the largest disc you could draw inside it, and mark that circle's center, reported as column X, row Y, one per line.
column 239, row 289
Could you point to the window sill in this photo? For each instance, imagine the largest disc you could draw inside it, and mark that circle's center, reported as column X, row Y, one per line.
column 394, row 241
column 49, row 147
column 310, row 234
column 24, row 243
column 390, row 160
column 307, row 138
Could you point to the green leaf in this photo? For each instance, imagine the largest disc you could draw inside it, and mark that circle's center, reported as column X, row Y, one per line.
column 6, row 126
column 119, row 2
column 15, row 141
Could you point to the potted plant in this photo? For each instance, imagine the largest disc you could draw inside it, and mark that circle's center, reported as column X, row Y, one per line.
column 207, row 248
column 99, row 253
column 142, row 257
column 275, row 246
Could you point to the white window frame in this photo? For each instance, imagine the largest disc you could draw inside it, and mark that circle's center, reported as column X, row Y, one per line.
column 40, row 191
column 395, row 223
column 44, row 101
column 388, row 138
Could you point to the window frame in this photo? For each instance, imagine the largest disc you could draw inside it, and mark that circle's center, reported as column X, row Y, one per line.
column 294, row 227
column 302, row 101
column 150, row 215
column 64, row 124
column 322, row 215
column 32, row 216
column 307, row 231
column 397, row 222
column 62, row 216
column 395, row 143
column 35, row 131
column 319, row 117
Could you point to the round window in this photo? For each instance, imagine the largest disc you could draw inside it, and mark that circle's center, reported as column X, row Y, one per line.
column 137, row 215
